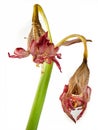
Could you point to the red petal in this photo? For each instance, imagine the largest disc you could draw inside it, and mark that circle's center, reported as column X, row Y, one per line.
column 83, row 109
column 68, row 112
column 70, row 116
column 19, row 53
column 57, row 63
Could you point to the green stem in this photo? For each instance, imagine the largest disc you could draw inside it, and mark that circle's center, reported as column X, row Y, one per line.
column 42, row 86
column 39, row 99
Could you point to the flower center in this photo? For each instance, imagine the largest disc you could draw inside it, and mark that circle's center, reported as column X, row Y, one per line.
column 76, row 90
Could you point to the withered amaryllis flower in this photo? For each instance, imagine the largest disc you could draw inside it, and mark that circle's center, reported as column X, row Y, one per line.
column 76, row 94
column 38, row 44
column 41, row 50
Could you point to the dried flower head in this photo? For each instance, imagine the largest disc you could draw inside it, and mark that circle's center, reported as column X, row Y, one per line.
column 38, row 45
column 41, row 50
column 76, row 94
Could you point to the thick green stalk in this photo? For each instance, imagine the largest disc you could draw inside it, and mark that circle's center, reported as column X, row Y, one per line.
column 43, row 83
column 39, row 99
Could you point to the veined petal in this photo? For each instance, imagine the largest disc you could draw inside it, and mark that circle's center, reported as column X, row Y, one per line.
column 19, row 53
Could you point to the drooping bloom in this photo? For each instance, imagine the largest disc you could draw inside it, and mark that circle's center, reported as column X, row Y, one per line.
column 39, row 47
column 76, row 94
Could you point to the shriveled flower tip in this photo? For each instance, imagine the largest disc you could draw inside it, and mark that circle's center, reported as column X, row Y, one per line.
column 76, row 94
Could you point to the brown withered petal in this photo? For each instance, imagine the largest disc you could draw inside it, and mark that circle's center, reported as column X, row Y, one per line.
column 35, row 33
column 79, row 81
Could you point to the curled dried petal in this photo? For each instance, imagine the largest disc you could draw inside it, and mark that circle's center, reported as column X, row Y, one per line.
column 19, row 53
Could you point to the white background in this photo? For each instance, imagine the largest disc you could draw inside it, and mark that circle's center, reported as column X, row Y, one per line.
column 19, row 78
